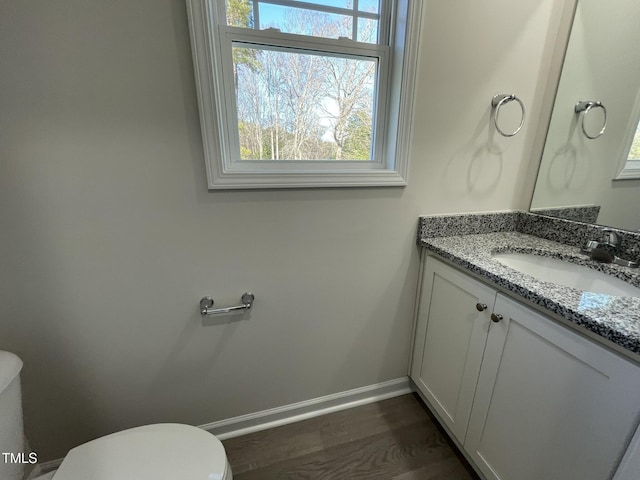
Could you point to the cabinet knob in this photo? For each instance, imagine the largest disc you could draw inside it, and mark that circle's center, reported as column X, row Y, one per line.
column 496, row 317
column 481, row 307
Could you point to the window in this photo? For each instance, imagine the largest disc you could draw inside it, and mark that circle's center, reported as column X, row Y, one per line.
column 630, row 159
column 631, row 167
column 305, row 93
column 634, row 151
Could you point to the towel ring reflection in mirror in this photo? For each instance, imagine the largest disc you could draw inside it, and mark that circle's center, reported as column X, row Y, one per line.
column 586, row 106
column 496, row 103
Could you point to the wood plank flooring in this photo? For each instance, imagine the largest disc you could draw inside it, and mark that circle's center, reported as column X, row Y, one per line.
column 396, row 439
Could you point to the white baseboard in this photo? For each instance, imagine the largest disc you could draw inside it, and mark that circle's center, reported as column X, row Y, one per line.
column 295, row 412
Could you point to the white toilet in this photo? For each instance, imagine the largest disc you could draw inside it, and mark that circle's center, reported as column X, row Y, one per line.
column 154, row 452
column 159, row 451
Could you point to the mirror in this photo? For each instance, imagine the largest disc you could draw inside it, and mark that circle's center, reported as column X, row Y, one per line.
column 591, row 179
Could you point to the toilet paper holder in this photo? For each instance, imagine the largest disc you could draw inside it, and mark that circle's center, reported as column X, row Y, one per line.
column 207, row 302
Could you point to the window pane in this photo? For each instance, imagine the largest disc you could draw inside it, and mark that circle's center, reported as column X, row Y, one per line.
column 634, row 153
column 331, row 3
column 372, row 6
column 367, row 30
column 297, row 106
column 305, row 22
column 240, row 13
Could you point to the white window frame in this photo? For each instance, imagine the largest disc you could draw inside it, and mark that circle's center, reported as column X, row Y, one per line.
column 216, row 97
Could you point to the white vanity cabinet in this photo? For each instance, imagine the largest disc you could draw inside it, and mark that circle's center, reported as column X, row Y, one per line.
column 451, row 331
column 525, row 397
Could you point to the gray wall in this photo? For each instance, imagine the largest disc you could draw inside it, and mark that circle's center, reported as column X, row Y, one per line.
column 109, row 236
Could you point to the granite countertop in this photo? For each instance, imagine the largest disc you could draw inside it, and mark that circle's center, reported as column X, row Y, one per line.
column 616, row 319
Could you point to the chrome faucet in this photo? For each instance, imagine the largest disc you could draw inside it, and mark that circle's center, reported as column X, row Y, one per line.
column 611, row 239
column 608, row 250
column 610, row 242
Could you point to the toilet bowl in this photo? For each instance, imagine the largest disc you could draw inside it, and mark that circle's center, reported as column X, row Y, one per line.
column 161, row 451
column 154, row 452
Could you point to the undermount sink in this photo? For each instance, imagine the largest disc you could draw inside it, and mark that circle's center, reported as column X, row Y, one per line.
column 569, row 274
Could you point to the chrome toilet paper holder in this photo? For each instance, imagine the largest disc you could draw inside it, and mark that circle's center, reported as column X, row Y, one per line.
column 207, row 302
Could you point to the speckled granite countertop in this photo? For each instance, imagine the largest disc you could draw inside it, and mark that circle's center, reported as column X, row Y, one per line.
column 613, row 318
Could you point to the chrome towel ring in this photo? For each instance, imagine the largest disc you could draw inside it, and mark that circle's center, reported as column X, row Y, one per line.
column 586, row 106
column 498, row 101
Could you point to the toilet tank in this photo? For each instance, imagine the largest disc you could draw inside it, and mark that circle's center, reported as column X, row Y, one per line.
column 11, row 434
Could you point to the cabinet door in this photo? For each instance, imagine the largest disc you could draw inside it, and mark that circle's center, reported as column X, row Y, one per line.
column 629, row 468
column 550, row 404
column 450, row 337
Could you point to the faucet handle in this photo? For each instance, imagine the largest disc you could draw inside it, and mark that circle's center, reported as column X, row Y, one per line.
column 591, row 244
column 611, row 238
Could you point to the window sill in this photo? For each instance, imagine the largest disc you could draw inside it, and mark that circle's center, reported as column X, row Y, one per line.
column 250, row 180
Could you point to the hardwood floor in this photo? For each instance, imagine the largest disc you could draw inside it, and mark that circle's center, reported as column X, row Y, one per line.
column 396, row 439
